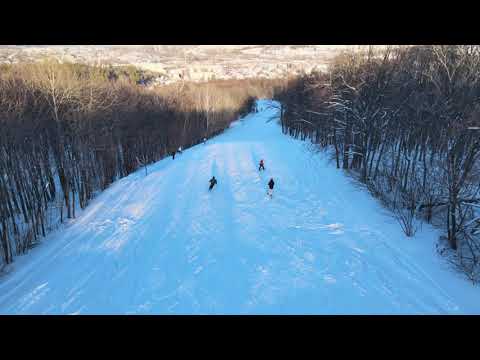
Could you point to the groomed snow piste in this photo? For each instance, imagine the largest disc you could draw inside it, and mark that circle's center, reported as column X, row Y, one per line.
column 163, row 244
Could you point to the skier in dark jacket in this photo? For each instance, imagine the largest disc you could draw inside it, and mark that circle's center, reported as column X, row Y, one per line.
column 261, row 166
column 173, row 155
column 213, row 182
column 271, row 183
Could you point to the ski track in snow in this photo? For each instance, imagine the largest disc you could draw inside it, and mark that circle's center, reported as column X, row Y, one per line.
column 164, row 244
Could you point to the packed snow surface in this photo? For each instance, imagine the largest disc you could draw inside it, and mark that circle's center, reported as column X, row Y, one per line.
column 164, row 244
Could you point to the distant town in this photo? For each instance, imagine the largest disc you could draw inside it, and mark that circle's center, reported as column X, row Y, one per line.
column 168, row 64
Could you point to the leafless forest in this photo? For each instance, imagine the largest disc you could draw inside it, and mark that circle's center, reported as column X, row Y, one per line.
column 70, row 130
column 405, row 122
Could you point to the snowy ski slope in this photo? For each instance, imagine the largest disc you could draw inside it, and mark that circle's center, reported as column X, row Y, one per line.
column 163, row 244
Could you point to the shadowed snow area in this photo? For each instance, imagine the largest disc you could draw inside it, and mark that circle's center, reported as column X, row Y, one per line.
column 164, row 244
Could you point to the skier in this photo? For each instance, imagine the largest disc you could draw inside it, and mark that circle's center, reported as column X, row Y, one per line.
column 271, row 183
column 213, row 182
column 261, row 167
column 173, row 155
column 180, row 149
column 204, row 140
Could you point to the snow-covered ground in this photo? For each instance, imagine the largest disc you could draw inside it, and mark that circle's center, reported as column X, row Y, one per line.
column 163, row 244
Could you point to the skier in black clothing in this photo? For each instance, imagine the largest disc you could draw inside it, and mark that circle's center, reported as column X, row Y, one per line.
column 173, row 155
column 261, row 166
column 271, row 183
column 213, row 182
